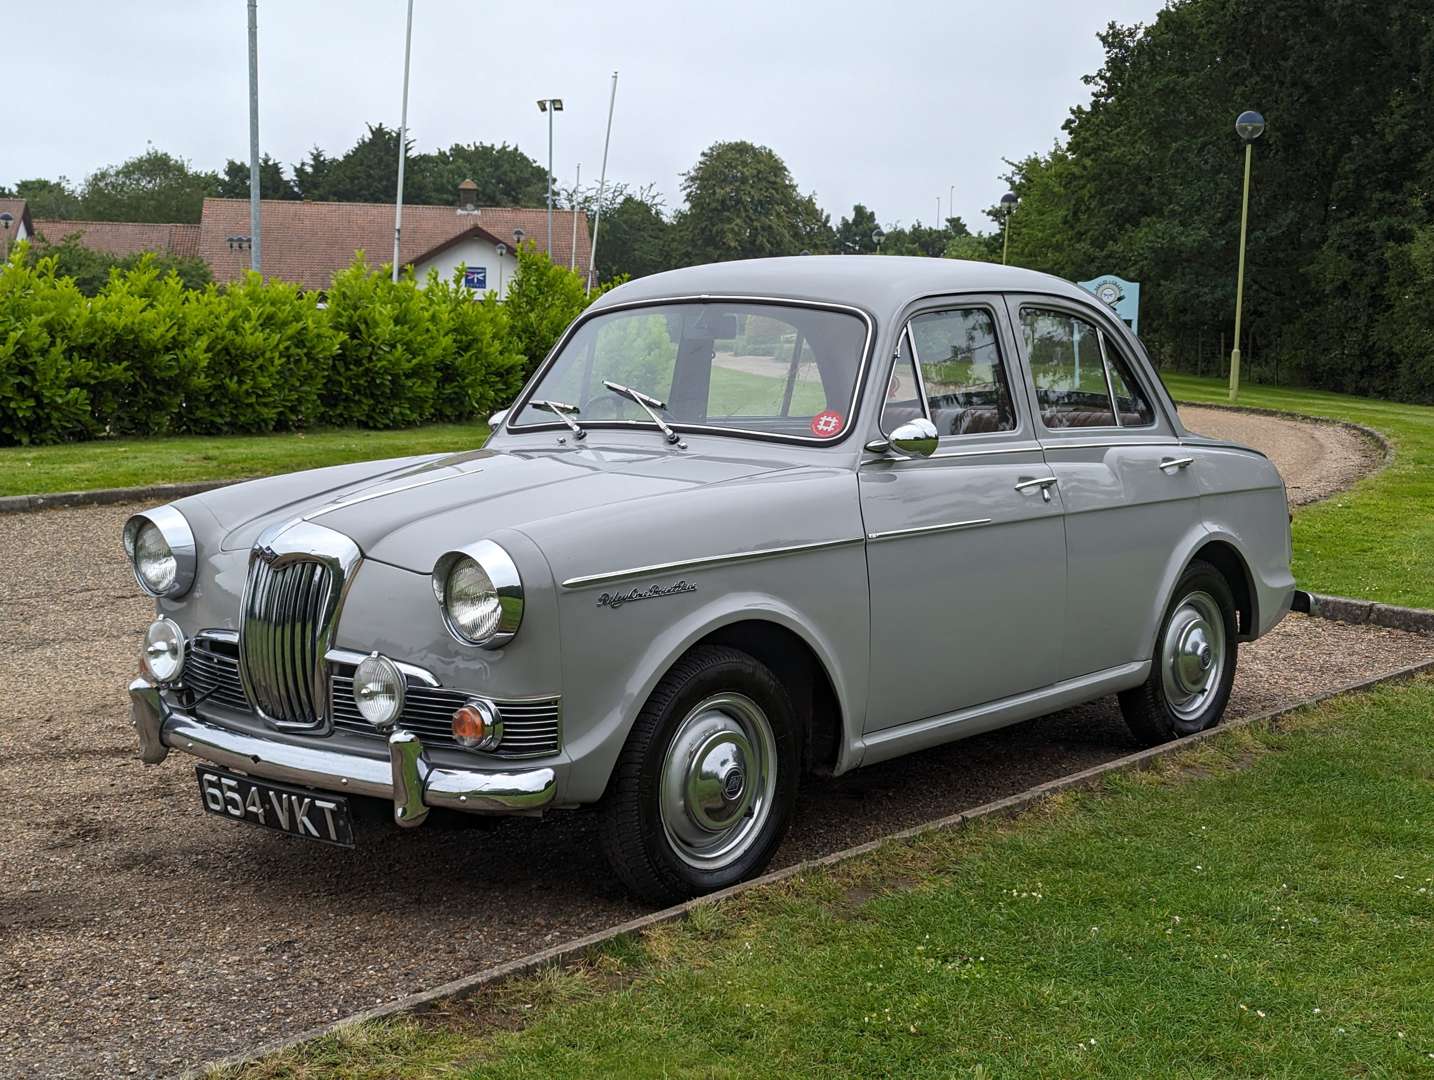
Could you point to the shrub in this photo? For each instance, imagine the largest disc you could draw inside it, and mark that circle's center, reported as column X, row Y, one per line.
column 483, row 369
column 385, row 371
column 265, row 353
column 138, row 341
column 44, row 386
column 542, row 300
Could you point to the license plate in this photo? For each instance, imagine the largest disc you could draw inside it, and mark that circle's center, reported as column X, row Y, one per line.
column 309, row 814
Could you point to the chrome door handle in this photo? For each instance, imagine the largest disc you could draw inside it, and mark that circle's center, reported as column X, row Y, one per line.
column 1169, row 465
column 1045, row 483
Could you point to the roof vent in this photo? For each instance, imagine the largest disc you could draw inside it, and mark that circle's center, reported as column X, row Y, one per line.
column 468, row 197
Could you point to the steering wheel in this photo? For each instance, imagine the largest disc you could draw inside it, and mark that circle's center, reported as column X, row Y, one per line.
column 610, row 406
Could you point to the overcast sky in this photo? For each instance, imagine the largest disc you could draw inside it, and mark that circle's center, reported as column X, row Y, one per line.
column 885, row 103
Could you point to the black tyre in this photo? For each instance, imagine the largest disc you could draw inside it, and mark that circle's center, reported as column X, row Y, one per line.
column 1193, row 666
column 705, row 785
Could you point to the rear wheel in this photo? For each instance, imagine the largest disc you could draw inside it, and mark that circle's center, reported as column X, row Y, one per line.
column 1193, row 668
column 705, row 785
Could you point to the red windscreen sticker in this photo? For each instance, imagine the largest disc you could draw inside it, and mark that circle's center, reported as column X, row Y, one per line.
column 827, row 424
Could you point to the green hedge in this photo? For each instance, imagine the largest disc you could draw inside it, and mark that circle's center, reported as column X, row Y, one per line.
column 147, row 356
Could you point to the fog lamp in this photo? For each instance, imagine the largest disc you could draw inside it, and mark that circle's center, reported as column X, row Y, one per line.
column 378, row 690
column 163, row 654
column 478, row 725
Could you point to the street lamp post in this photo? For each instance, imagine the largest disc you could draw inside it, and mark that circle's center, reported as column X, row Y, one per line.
column 402, row 141
column 1008, row 207
column 502, row 250
column 5, row 219
column 1249, row 125
column 550, row 106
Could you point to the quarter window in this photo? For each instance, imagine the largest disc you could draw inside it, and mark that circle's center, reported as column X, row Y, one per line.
column 962, row 385
column 1079, row 381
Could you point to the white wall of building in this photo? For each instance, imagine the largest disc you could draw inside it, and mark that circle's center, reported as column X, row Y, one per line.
column 473, row 252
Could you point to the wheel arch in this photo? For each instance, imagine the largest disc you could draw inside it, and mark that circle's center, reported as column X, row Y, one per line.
column 795, row 663
column 1226, row 558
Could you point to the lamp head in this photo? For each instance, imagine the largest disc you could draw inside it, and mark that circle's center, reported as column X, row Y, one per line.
column 1249, row 125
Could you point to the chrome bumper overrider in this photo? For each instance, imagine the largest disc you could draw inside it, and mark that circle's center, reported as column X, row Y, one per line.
column 407, row 778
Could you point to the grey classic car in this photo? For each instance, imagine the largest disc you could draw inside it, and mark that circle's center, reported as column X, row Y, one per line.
column 747, row 523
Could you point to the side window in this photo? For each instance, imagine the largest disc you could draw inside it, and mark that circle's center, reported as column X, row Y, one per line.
column 1068, row 370
column 1131, row 403
column 903, row 392
column 967, row 391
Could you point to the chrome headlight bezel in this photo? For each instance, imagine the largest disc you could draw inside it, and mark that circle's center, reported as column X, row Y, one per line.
column 507, row 584
column 174, row 530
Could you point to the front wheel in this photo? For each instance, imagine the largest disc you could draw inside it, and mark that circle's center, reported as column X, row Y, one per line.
column 1193, row 668
column 704, row 788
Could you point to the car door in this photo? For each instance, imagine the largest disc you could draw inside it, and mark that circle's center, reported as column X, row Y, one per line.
column 1129, row 492
column 965, row 548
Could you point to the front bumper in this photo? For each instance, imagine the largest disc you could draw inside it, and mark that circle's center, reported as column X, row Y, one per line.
column 408, row 779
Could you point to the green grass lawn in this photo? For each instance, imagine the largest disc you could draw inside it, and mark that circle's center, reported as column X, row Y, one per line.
column 1375, row 541
column 33, row 470
column 1263, row 905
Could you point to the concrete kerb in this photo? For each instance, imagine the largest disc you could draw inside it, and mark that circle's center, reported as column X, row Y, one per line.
column 155, row 493
column 574, row 951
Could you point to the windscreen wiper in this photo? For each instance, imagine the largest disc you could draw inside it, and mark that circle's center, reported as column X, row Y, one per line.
column 562, row 410
column 650, row 405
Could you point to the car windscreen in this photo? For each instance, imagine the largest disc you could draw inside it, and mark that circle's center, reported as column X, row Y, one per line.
column 764, row 368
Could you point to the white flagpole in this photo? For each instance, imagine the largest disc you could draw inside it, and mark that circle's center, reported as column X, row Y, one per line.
column 402, row 142
column 602, row 184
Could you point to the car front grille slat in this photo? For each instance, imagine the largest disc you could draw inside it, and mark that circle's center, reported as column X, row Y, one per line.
column 530, row 728
column 285, row 613
column 211, row 672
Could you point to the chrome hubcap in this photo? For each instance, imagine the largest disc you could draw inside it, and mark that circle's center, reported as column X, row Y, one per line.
column 1192, row 654
column 718, row 779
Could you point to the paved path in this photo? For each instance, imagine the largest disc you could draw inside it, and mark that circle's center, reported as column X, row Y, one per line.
column 1316, row 460
column 139, row 934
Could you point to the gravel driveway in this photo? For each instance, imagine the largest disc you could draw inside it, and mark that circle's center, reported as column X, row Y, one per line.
column 138, row 934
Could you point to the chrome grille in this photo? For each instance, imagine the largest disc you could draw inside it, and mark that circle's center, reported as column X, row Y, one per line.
column 530, row 728
column 211, row 673
column 287, row 605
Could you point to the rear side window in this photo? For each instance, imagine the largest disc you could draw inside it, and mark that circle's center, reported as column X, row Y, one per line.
column 1080, row 380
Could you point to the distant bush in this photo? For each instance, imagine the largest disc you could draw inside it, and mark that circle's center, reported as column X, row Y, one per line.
column 147, row 355
column 44, row 381
column 91, row 269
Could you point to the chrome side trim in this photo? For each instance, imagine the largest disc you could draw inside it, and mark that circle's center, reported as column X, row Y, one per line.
column 987, row 451
column 1061, row 444
column 413, row 671
column 919, row 530
column 705, row 563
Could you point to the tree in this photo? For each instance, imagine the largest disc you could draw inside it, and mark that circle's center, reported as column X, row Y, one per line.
column 634, row 236
column 152, row 186
column 504, row 174
column 743, row 204
column 273, row 184
column 854, row 234
column 49, row 198
column 367, row 172
column 1147, row 183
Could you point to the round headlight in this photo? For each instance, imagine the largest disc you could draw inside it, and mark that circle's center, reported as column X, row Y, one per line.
column 480, row 593
column 378, row 690
column 163, row 655
column 161, row 550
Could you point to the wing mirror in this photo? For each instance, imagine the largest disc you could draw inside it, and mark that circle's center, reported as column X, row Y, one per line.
column 916, row 438
column 496, row 420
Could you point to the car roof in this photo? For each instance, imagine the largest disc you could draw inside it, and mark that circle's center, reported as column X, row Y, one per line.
column 878, row 284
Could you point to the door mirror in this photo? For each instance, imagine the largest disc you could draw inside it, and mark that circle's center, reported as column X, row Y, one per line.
column 496, row 420
column 915, row 438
